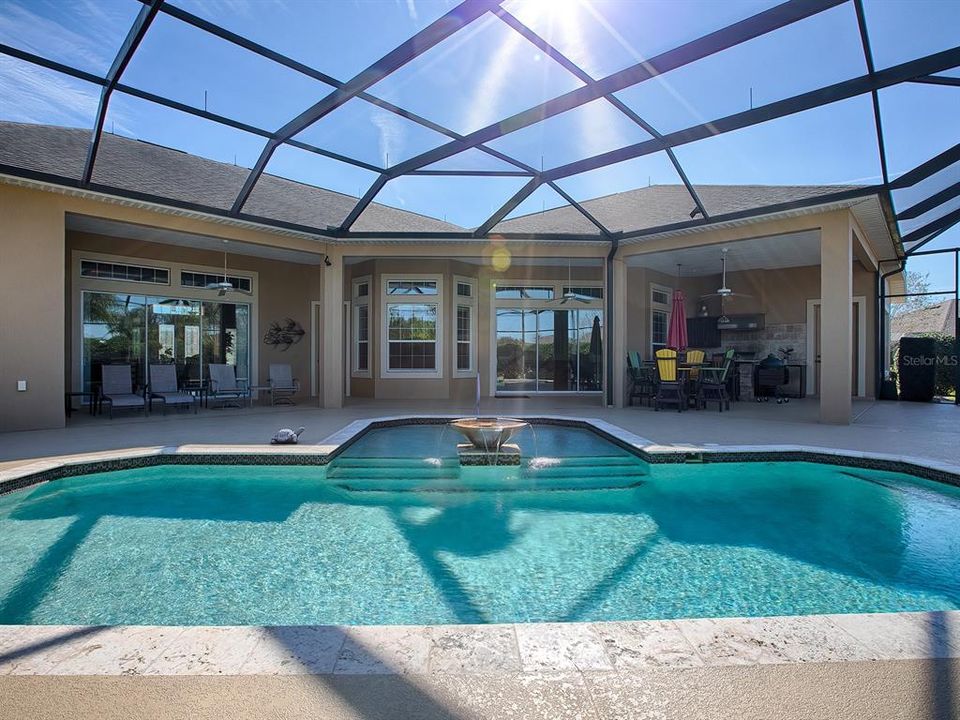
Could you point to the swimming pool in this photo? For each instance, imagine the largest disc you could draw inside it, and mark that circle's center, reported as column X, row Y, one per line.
column 585, row 532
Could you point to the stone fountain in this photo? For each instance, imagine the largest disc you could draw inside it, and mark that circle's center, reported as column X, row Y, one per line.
column 488, row 440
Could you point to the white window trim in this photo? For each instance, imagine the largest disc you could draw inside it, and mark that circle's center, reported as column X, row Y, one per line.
column 357, row 303
column 470, row 302
column 386, row 300
column 661, row 307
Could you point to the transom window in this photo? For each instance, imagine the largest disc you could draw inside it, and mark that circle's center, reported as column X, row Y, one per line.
column 518, row 292
column 584, row 293
column 122, row 271
column 412, row 287
column 189, row 278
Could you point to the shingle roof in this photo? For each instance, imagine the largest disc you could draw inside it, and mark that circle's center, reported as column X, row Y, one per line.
column 147, row 168
column 144, row 167
column 662, row 205
column 937, row 318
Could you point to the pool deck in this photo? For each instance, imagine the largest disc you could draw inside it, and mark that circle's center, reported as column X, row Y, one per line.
column 903, row 665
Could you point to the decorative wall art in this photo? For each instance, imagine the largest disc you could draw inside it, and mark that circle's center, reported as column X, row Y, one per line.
column 284, row 333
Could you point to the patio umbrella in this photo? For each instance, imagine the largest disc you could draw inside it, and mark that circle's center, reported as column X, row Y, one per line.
column 677, row 332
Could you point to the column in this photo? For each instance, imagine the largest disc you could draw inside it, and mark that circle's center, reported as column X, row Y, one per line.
column 332, row 370
column 617, row 340
column 836, row 319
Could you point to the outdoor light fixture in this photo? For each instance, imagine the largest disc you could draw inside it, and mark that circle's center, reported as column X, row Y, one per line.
column 326, row 261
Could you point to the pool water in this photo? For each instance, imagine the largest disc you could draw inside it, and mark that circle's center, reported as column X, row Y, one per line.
column 225, row 545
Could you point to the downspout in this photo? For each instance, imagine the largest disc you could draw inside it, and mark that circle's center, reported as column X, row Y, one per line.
column 881, row 296
column 614, row 246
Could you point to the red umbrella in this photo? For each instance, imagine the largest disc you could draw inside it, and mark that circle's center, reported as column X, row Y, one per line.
column 677, row 332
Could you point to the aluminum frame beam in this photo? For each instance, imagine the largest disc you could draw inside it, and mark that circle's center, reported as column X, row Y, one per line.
column 124, row 55
column 931, row 202
column 586, row 78
column 435, row 33
column 727, row 37
column 843, row 90
column 730, row 36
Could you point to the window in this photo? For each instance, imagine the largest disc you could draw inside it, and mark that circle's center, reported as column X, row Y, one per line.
column 659, row 316
column 412, row 287
column 361, row 327
column 361, row 334
column 584, row 293
column 142, row 330
column 514, row 292
column 412, row 336
column 464, row 331
column 127, row 273
column 189, row 278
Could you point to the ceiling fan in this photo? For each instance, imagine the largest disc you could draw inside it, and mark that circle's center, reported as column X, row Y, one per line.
column 723, row 292
column 225, row 285
column 569, row 294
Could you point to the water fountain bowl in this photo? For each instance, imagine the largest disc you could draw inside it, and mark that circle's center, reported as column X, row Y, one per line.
column 489, row 440
column 490, row 433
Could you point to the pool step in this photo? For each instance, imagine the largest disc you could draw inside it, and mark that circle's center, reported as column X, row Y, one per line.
column 445, row 475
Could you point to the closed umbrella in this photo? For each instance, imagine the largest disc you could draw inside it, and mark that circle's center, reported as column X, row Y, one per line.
column 596, row 349
column 677, row 332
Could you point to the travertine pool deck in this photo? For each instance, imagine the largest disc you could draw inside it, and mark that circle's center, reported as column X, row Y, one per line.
column 610, row 647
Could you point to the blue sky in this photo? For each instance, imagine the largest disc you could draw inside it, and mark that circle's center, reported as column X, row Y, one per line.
column 487, row 72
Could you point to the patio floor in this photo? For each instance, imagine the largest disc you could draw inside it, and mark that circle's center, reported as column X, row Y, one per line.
column 928, row 431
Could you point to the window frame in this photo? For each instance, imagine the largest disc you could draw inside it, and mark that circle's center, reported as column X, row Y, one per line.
column 655, row 307
column 358, row 301
column 386, row 301
column 472, row 304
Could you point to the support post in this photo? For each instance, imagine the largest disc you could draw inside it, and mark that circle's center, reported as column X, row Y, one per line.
column 332, row 370
column 618, row 335
column 836, row 319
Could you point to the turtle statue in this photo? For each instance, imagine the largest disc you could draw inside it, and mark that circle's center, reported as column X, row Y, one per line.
column 286, row 436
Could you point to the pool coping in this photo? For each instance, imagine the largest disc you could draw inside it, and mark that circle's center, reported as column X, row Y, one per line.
column 58, row 467
column 497, row 649
column 619, row 646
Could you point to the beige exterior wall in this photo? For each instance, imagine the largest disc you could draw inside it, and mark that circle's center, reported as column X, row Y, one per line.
column 37, row 328
column 32, row 311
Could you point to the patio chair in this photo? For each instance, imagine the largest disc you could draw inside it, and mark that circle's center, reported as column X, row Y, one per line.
column 225, row 387
column 713, row 383
column 694, row 359
column 163, row 386
column 282, row 385
column 670, row 390
column 117, row 389
column 643, row 381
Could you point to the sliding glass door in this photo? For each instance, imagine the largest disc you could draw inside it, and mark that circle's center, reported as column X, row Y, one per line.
column 139, row 330
column 549, row 350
